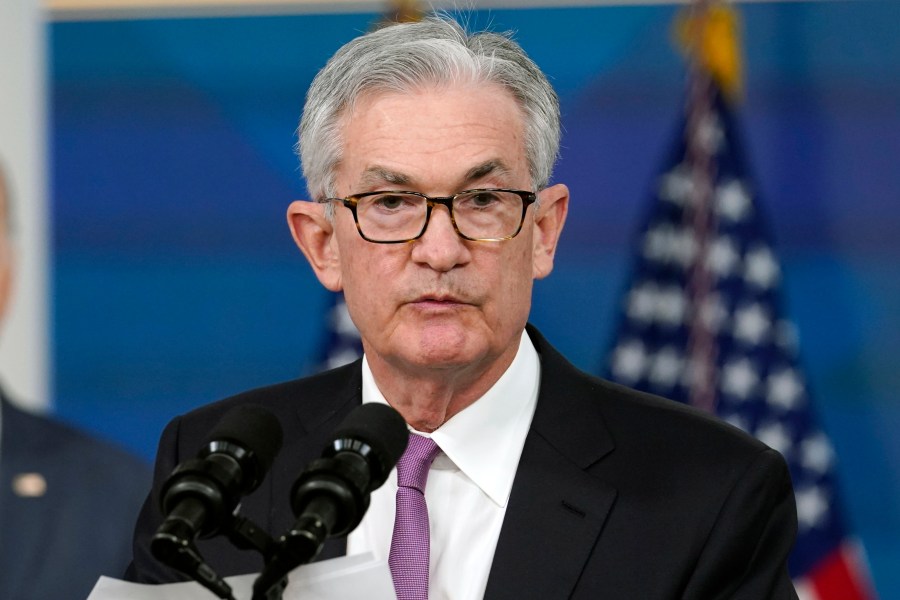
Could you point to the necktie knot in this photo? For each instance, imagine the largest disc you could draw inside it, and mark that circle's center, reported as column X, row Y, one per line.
column 412, row 469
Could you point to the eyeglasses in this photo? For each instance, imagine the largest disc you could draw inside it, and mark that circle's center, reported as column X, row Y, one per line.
column 489, row 215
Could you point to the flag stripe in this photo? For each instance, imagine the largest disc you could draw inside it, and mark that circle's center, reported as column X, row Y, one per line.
column 838, row 577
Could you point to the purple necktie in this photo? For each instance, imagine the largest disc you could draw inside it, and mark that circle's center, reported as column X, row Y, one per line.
column 410, row 547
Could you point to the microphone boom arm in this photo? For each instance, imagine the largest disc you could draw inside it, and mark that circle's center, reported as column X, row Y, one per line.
column 329, row 499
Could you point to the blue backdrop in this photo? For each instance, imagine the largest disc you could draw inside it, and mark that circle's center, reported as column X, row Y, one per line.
column 176, row 281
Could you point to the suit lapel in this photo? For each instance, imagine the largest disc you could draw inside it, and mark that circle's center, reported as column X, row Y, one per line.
column 557, row 509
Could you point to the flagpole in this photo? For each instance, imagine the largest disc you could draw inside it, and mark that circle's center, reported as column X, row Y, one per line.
column 702, row 347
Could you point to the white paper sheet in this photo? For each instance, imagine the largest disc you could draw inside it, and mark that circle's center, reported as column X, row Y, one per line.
column 347, row 577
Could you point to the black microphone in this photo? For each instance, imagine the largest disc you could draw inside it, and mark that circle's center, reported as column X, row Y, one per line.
column 331, row 496
column 200, row 496
column 333, row 491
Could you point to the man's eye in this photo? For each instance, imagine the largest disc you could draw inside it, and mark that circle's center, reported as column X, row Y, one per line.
column 391, row 202
column 482, row 200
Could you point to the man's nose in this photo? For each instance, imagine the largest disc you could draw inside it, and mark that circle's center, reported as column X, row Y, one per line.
column 440, row 247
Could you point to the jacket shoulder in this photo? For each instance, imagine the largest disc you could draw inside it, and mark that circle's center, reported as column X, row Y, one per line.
column 635, row 423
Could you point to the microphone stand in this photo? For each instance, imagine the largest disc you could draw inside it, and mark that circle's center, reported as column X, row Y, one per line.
column 181, row 554
column 330, row 498
column 175, row 549
column 295, row 548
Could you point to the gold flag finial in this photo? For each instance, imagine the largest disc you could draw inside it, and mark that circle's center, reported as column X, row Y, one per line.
column 404, row 11
column 708, row 34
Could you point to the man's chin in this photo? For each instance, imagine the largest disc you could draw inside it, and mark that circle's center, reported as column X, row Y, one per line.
column 442, row 345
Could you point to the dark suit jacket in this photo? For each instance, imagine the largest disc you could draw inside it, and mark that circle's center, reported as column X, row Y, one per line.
column 56, row 544
column 618, row 495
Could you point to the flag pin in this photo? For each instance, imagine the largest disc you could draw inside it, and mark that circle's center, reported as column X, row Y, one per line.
column 29, row 485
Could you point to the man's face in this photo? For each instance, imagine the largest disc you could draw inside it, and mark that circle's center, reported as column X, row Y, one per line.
column 440, row 301
column 5, row 251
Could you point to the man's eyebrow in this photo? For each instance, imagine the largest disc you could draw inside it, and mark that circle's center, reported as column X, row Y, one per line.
column 490, row 167
column 378, row 175
column 375, row 176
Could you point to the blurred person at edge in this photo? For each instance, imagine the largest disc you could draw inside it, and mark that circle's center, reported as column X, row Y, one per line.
column 67, row 501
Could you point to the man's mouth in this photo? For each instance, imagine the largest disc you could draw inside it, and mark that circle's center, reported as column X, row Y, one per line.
column 437, row 301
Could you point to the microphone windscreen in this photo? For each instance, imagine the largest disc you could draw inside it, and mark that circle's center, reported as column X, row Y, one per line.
column 253, row 428
column 379, row 426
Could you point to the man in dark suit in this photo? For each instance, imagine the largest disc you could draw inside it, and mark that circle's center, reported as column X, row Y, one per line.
column 428, row 153
column 67, row 507
column 67, row 501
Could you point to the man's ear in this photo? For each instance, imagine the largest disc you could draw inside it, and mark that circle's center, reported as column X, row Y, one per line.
column 7, row 260
column 314, row 235
column 548, row 224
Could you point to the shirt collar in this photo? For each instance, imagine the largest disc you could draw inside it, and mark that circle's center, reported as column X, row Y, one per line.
column 485, row 440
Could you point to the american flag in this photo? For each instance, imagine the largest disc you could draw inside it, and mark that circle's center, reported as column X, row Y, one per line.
column 703, row 323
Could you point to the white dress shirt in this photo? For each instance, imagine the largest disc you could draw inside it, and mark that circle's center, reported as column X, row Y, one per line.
column 469, row 482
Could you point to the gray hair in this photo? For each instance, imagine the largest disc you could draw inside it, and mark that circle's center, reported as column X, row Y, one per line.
column 405, row 56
